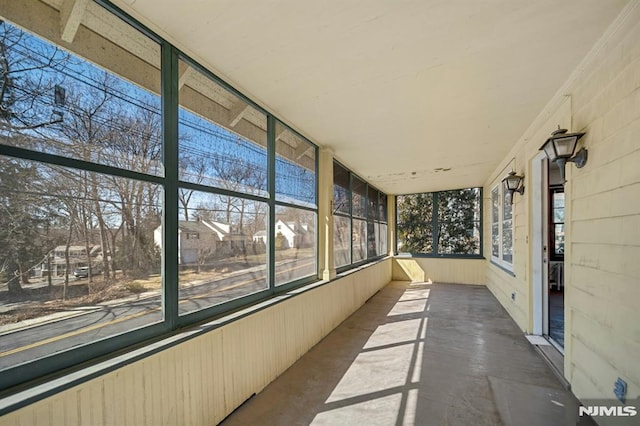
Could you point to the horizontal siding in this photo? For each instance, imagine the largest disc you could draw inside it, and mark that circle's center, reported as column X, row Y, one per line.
column 607, row 286
column 612, row 258
column 609, row 203
column 604, row 367
column 202, row 380
column 604, row 276
column 620, row 231
column 502, row 284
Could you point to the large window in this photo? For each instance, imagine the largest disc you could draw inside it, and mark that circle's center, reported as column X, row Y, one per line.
column 359, row 219
column 82, row 197
column 124, row 213
column 295, row 237
column 501, row 227
column 341, row 216
column 222, row 164
column 446, row 223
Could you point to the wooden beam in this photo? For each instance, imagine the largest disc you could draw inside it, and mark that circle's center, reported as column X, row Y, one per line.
column 301, row 150
column 71, row 13
column 185, row 75
column 281, row 134
column 237, row 111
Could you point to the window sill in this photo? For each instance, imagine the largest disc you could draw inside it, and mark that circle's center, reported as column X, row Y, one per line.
column 503, row 268
column 440, row 256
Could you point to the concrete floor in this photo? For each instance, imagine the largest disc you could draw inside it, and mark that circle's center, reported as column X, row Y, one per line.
column 418, row 354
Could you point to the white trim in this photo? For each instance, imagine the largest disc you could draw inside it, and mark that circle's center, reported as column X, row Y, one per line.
column 537, row 241
column 499, row 260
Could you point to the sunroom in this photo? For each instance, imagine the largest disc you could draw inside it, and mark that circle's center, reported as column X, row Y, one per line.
column 252, row 173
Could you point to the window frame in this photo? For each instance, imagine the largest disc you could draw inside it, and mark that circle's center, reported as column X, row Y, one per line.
column 435, row 253
column 500, row 259
column 371, row 215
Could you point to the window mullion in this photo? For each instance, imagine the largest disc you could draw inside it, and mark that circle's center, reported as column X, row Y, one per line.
column 499, row 225
column 271, row 189
column 434, row 224
column 351, row 218
column 170, row 160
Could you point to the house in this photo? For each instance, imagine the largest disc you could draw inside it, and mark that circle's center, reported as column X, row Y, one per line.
column 287, row 230
column 260, row 237
column 200, row 240
column 294, row 234
column 77, row 258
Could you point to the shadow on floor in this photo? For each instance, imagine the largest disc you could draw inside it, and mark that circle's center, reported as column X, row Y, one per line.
column 425, row 354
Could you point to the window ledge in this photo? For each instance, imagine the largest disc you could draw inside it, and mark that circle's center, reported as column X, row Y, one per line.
column 508, row 271
column 440, row 256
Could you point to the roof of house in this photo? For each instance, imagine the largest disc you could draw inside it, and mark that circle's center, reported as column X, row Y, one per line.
column 193, row 226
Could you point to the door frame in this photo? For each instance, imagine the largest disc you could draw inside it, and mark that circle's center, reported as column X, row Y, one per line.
column 539, row 244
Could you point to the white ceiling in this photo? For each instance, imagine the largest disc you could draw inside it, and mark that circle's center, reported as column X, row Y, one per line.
column 398, row 88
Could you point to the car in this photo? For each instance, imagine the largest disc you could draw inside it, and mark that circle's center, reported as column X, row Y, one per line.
column 83, row 271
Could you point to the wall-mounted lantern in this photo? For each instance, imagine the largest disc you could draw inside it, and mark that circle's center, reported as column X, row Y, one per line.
column 514, row 183
column 560, row 148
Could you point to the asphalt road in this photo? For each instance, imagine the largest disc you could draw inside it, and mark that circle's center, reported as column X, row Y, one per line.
column 88, row 324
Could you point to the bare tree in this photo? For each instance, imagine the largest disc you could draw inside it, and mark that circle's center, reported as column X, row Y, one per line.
column 30, row 96
column 237, row 175
column 192, row 169
column 136, row 141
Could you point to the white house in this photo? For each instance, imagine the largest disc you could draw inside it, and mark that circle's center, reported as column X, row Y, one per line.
column 293, row 232
column 288, row 231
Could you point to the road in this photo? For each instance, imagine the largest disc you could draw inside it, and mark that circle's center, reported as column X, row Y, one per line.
column 89, row 324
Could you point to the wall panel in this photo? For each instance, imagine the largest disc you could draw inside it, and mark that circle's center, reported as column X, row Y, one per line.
column 441, row 270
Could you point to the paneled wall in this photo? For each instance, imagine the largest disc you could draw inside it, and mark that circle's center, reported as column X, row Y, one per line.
column 440, row 270
column 202, row 380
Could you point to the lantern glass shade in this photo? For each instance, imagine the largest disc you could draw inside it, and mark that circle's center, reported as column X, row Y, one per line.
column 512, row 181
column 561, row 145
column 565, row 146
column 513, row 184
column 550, row 150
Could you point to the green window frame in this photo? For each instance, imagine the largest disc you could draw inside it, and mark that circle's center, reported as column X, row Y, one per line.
column 359, row 215
column 427, row 223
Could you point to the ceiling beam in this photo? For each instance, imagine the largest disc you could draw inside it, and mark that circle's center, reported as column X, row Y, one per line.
column 301, row 150
column 280, row 135
column 71, row 14
column 237, row 111
column 184, row 75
